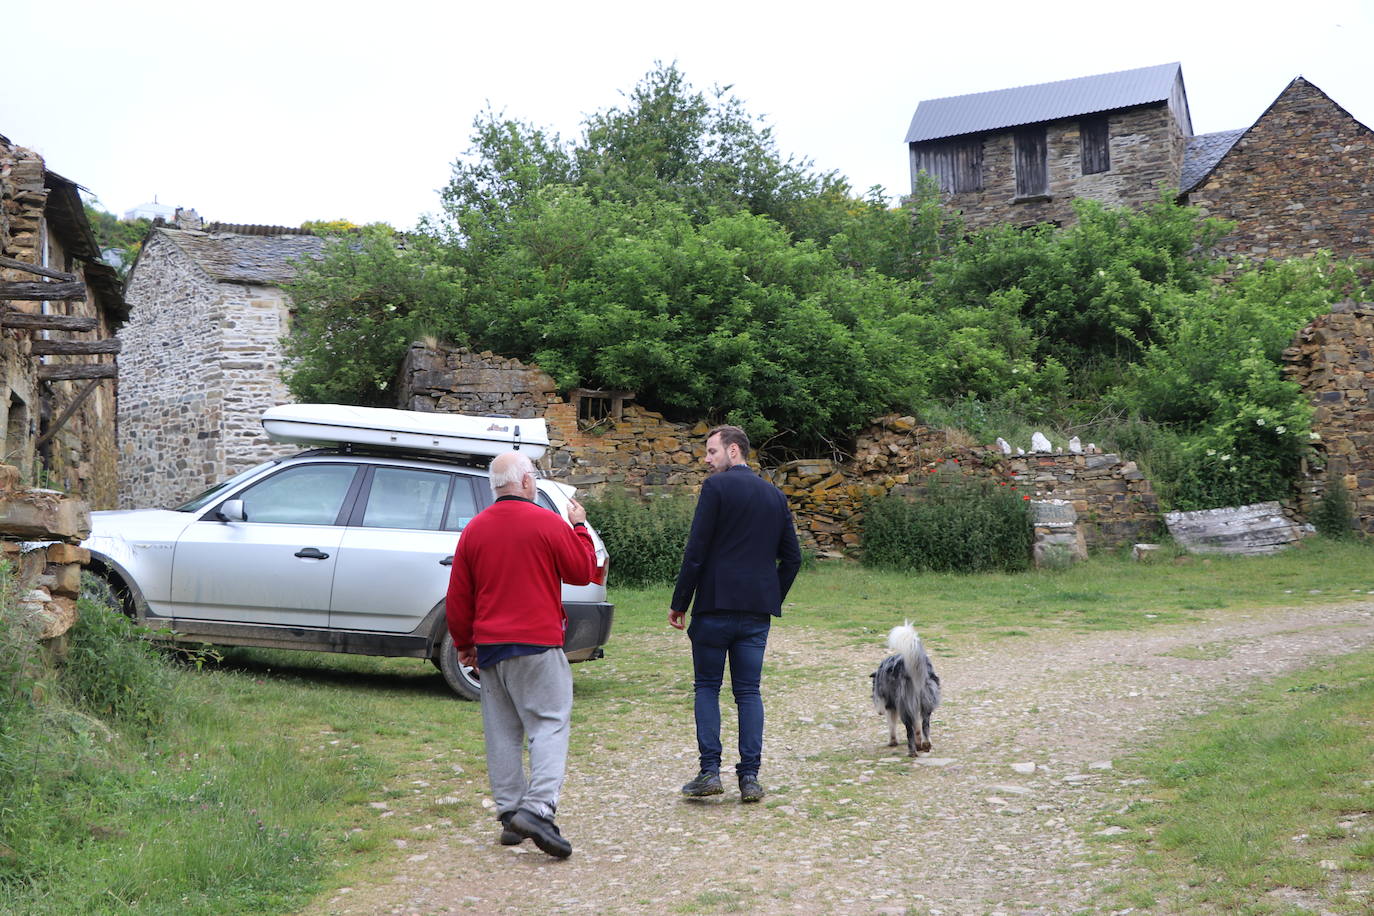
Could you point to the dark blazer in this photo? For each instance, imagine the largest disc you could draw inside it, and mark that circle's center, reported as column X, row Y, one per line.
column 742, row 554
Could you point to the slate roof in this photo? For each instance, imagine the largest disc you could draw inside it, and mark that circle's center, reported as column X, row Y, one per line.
column 258, row 259
column 1203, row 153
column 983, row 111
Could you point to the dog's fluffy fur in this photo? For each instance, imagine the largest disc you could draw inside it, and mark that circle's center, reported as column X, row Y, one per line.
column 906, row 687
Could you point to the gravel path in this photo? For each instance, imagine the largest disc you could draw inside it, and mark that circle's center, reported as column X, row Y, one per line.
column 990, row 823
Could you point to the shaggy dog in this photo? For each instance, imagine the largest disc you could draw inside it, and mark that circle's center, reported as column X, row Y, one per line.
column 905, row 686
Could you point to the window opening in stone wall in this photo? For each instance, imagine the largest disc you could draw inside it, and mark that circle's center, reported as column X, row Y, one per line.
column 1032, row 167
column 595, row 406
column 956, row 164
column 1092, row 134
column 16, row 430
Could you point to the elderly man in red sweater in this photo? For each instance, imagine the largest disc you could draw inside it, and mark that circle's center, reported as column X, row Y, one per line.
column 505, row 612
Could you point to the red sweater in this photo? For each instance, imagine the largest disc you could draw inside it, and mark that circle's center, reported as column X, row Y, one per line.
column 505, row 586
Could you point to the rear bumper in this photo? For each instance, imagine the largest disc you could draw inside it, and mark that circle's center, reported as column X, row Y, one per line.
column 589, row 628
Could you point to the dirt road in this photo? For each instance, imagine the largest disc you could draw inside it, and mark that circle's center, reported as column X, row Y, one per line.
column 992, row 822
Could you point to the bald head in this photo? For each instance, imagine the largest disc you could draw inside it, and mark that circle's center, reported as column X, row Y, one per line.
column 508, row 475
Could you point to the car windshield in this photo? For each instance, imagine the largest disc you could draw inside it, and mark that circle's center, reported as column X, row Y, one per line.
column 210, row 495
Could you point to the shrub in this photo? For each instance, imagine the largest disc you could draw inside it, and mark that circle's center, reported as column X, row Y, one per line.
column 956, row 525
column 111, row 670
column 1334, row 515
column 645, row 539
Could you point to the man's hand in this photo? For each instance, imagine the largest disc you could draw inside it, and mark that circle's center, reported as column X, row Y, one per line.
column 576, row 513
column 468, row 657
column 676, row 619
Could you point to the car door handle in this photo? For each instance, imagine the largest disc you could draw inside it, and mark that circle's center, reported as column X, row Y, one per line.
column 446, row 561
column 310, row 553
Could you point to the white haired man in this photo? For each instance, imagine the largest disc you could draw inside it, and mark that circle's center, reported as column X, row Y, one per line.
column 505, row 612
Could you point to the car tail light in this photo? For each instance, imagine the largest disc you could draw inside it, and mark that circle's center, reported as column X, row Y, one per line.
column 602, row 569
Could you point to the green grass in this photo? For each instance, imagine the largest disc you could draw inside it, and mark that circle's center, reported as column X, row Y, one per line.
column 1274, row 791
column 267, row 786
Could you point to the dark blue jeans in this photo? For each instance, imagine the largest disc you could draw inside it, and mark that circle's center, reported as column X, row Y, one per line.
column 739, row 638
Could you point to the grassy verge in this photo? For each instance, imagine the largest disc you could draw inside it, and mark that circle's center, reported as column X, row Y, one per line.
column 1265, row 806
column 272, row 775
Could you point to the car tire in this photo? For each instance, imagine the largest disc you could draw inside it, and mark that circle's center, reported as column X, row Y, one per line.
column 461, row 679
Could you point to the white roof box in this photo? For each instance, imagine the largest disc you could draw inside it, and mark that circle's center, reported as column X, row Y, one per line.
column 411, row 430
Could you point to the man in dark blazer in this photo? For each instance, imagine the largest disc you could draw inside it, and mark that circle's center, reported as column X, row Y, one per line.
column 740, row 560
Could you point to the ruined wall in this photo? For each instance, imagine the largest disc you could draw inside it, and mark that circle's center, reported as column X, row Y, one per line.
column 1302, row 178
column 1146, row 149
column 48, row 576
column 80, row 457
column 645, row 453
column 1332, row 360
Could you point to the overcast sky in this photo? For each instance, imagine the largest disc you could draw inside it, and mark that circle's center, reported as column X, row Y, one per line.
column 280, row 111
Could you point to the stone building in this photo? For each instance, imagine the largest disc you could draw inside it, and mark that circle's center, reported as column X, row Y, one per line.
column 202, row 355
column 1332, row 359
column 59, row 308
column 1301, row 178
column 1022, row 155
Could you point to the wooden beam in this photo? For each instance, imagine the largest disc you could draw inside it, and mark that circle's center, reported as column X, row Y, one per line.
column 45, row 292
column 25, row 266
column 70, row 372
column 12, row 319
column 74, row 347
column 66, row 414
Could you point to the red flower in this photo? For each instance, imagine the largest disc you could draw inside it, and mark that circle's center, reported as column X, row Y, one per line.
column 1026, row 497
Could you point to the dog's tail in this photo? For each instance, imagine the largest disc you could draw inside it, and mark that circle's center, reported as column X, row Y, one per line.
column 905, row 642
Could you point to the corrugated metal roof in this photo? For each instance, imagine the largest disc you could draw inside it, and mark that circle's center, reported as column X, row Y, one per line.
column 1003, row 108
column 1203, row 153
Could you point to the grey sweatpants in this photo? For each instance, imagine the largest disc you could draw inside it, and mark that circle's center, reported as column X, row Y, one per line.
column 527, row 698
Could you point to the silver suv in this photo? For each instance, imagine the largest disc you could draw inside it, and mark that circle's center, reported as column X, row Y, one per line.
column 330, row 550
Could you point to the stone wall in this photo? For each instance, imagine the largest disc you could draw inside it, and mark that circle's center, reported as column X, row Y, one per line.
column 48, row 576
column 1332, row 359
column 1115, row 504
column 201, row 362
column 644, row 453
column 1146, row 148
column 1301, row 178
column 80, row 455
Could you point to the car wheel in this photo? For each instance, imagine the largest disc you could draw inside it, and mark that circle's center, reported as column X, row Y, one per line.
column 108, row 591
column 461, row 679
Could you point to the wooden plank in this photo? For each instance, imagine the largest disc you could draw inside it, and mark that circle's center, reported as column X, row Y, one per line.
column 66, row 414
column 25, row 266
column 68, row 373
column 46, row 292
column 74, row 347
column 14, row 319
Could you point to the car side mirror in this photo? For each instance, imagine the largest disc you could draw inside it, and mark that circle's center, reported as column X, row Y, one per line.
column 231, row 510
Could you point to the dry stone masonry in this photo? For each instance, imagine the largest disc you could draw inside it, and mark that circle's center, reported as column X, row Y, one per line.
column 1109, row 501
column 40, row 533
column 1332, row 359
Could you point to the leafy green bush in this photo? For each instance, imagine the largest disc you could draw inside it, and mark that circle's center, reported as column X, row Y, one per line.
column 955, row 525
column 1334, row 514
column 645, row 539
column 111, row 669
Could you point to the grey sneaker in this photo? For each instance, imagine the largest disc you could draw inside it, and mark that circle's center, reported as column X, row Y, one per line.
column 706, row 783
column 749, row 789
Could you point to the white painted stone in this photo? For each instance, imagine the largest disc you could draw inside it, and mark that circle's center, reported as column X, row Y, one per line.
column 1040, row 443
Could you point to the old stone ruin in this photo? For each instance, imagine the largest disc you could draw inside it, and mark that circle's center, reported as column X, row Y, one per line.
column 40, row 531
column 602, row 439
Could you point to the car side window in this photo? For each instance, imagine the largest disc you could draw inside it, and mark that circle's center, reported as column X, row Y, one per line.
column 542, row 499
column 303, row 495
column 408, row 498
column 462, row 504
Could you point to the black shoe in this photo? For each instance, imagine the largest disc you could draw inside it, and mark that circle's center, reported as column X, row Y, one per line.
column 543, row 831
column 706, row 783
column 749, row 789
column 508, row 836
